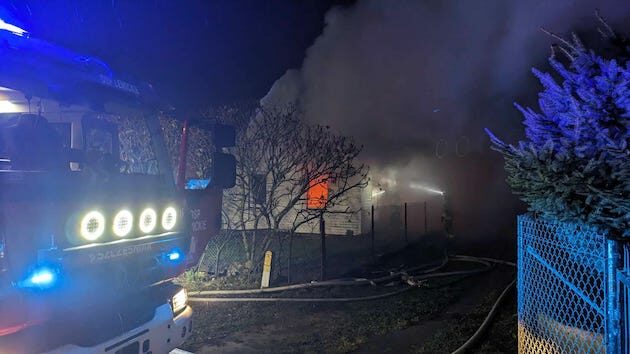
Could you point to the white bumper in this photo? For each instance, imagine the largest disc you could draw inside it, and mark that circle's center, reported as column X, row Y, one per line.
column 163, row 333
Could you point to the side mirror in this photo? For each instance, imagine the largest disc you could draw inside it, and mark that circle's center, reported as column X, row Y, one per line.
column 223, row 172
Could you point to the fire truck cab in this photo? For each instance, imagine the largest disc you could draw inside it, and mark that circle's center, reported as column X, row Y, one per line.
column 92, row 227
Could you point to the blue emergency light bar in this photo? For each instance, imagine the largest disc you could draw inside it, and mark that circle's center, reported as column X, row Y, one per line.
column 40, row 68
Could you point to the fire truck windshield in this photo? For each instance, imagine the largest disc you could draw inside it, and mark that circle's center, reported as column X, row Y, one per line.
column 29, row 142
column 96, row 144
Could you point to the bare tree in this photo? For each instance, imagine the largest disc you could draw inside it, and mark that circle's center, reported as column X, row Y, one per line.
column 289, row 156
column 279, row 158
column 334, row 164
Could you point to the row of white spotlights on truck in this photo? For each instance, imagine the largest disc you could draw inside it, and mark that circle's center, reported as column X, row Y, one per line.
column 93, row 223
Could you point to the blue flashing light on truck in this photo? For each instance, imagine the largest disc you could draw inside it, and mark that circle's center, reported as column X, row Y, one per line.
column 93, row 229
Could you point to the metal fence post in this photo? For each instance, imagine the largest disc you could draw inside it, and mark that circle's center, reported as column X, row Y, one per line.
column 613, row 342
column 406, row 237
column 425, row 216
column 520, row 281
column 623, row 289
column 322, row 231
column 372, row 231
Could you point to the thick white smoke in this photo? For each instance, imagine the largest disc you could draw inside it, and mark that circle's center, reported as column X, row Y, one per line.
column 401, row 76
column 407, row 78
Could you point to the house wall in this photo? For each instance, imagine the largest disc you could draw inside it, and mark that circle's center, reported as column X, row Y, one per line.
column 336, row 223
column 341, row 224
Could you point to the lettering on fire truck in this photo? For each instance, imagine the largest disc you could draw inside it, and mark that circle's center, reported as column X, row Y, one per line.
column 198, row 224
column 121, row 252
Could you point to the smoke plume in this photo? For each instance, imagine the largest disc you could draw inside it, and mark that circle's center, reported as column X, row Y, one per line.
column 416, row 82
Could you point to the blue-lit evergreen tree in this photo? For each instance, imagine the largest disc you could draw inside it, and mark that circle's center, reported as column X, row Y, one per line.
column 573, row 165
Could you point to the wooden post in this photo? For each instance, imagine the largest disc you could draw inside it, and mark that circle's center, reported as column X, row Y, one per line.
column 322, row 231
column 406, row 237
column 264, row 283
column 425, row 217
column 372, row 232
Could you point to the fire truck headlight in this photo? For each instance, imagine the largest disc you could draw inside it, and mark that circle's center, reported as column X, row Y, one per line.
column 92, row 225
column 169, row 218
column 179, row 301
column 123, row 223
column 148, row 220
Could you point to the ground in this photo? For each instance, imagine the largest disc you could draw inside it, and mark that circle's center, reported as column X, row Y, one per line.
column 435, row 318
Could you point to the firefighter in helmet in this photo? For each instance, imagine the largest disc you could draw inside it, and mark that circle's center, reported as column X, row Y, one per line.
column 447, row 221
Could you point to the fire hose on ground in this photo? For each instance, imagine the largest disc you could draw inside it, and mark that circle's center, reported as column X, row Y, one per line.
column 423, row 269
column 414, row 281
column 472, row 341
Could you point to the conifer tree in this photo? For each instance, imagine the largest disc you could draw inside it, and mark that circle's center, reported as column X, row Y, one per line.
column 573, row 165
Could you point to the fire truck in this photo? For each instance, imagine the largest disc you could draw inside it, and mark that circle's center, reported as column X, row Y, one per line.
column 93, row 228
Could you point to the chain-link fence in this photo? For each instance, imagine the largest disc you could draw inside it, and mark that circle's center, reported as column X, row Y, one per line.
column 567, row 293
column 297, row 257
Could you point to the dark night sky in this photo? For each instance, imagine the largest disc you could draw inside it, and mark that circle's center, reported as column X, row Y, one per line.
column 195, row 53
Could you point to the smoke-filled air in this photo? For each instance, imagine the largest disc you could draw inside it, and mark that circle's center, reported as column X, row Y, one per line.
column 415, row 82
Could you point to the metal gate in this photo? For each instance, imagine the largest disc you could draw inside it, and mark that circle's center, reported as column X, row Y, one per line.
column 568, row 292
column 624, row 292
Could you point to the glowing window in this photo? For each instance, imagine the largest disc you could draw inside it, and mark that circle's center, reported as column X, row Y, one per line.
column 317, row 194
